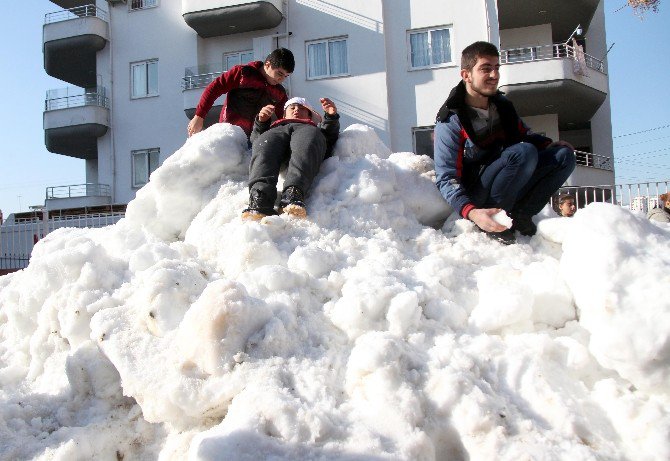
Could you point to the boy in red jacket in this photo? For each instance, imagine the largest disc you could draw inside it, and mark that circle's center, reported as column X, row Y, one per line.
column 250, row 87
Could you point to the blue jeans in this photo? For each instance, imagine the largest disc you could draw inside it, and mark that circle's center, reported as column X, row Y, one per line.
column 522, row 180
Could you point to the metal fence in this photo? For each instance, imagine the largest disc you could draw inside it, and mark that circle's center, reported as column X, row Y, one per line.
column 79, row 190
column 601, row 162
column 200, row 76
column 76, row 13
column 545, row 52
column 634, row 196
column 64, row 98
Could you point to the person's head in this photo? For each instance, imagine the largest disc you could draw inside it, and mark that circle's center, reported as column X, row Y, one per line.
column 278, row 65
column 299, row 108
column 566, row 205
column 480, row 68
column 665, row 200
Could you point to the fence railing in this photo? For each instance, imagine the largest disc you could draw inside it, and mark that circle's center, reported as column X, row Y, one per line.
column 634, row 196
column 601, row 162
column 200, row 76
column 546, row 52
column 79, row 190
column 76, row 13
column 65, row 98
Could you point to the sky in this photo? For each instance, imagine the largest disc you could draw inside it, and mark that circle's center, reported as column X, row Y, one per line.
column 638, row 90
column 360, row 333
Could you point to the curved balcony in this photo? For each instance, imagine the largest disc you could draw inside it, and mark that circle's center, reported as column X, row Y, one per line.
column 71, row 40
column 195, row 80
column 67, row 4
column 563, row 16
column 74, row 119
column 553, row 79
column 213, row 18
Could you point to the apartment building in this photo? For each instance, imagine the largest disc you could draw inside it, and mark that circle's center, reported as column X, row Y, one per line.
column 135, row 70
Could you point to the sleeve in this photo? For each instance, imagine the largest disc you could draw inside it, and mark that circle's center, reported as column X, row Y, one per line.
column 330, row 126
column 448, row 154
column 223, row 84
column 259, row 128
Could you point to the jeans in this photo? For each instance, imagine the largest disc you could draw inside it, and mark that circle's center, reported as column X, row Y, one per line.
column 523, row 180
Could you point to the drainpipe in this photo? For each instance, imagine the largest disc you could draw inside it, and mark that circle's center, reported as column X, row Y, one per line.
column 111, row 107
column 288, row 41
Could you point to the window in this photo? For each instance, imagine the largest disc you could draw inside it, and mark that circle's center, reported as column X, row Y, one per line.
column 422, row 138
column 429, row 48
column 145, row 161
column 327, row 58
column 142, row 4
column 144, row 79
column 238, row 57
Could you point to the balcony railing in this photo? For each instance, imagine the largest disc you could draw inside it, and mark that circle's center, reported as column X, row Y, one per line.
column 65, row 98
column 76, row 13
column 200, row 76
column 546, row 52
column 601, row 162
column 635, row 196
column 79, row 190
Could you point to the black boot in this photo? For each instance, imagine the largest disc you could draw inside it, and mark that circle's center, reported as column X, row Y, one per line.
column 259, row 206
column 524, row 224
column 293, row 202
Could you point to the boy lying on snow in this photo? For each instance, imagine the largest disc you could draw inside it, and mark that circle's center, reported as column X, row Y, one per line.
column 297, row 139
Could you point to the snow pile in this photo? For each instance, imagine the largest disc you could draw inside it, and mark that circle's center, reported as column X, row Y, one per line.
column 367, row 331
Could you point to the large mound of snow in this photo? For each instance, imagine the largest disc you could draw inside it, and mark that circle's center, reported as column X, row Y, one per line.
column 368, row 331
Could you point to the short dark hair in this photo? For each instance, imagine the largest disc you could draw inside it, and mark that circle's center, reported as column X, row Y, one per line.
column 565, row 197
column 281, row 57
column 475, row 51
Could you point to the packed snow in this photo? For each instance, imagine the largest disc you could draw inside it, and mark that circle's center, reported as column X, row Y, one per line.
column 380, row 328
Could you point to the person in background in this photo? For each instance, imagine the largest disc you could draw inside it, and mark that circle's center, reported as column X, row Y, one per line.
column 487, row 159
column 249, row 87
column 567, row 205
column 662, row 212
column 301, row 139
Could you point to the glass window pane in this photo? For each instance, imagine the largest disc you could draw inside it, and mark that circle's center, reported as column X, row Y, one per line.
column 152, row 69
column 338, row 57
column 139, row 80
column 419, row 49
column 230, row 60
column 246, row 57
column 440, row 46
column 316, row 59
column 153, row 160
column 140, row 173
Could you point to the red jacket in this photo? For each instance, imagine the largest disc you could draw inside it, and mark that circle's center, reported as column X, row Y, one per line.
column 248, row 92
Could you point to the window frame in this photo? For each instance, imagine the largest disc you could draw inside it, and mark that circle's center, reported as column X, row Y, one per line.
column 145, row 62
column 142, row 7
column 147, row 153
column 423, row 128
column 428, row 30
column 239, row 56
column 327, row 41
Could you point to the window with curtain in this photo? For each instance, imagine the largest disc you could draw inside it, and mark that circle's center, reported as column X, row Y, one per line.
column 429, row 47
column 327, row 58
column 144, row 162
column 237, row 57
column 142, row 4
column 144, row 78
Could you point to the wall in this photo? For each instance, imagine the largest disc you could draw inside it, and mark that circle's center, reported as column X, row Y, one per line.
column 525, row 36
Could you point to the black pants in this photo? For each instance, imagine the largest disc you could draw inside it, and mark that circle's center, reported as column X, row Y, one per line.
column 302, row 145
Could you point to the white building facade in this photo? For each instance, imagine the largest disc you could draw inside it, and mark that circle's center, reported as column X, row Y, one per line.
column 137, row 68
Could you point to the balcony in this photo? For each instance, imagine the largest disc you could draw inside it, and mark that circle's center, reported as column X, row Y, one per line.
column 67, row 4
column 71, row 40
column 563, row 16
column 195, row 80
column 213, row 18
column 74, row 119
column 78, row 196
column 554, row 79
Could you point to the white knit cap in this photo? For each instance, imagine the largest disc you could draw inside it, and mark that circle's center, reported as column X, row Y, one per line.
column 316, row 118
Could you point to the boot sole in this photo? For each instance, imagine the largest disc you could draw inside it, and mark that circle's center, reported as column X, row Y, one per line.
column 295, row 210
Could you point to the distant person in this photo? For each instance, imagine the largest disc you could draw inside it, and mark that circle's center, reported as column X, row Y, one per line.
column 662, row 212
column 567, row 205
column 296, row 140
column 250, row 87
column 486, row 158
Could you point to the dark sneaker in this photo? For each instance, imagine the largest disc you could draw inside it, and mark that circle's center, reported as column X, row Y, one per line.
column 258, row 206
column 293, row 202
column 505, row 237
column 524, row 224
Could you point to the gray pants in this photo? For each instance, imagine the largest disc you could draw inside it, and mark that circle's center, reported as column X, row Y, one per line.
column 302, row 145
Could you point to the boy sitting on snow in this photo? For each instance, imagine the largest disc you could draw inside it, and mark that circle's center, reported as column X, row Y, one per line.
column 297, row 139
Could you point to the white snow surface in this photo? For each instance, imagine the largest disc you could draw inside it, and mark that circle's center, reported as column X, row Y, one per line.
column 369, row 331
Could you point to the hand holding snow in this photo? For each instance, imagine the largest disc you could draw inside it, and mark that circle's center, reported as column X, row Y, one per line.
column 183, row 332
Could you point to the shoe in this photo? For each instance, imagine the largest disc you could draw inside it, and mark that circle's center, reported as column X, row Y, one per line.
column 505, row 237
column 258, row 206
column 524, row 224
column 293, row 202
